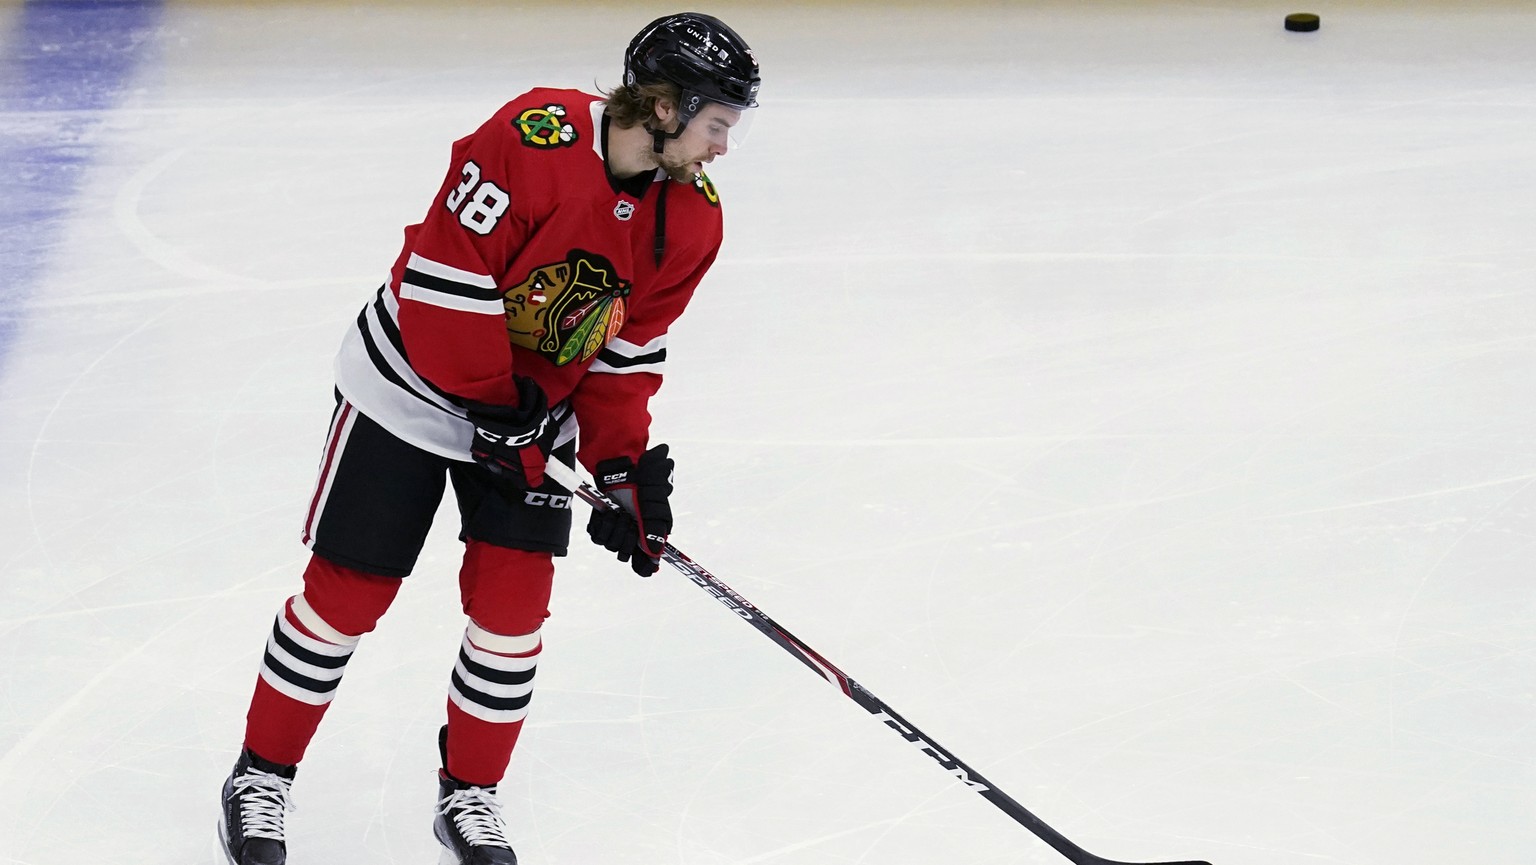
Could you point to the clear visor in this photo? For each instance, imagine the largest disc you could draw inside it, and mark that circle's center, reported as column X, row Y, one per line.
column 723, row 125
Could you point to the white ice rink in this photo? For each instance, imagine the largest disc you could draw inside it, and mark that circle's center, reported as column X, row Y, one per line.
column 1136, row 396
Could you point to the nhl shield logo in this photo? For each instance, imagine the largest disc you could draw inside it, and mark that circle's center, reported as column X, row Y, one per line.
column 624, row 210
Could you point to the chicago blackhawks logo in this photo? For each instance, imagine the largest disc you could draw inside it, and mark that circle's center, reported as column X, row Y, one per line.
column 706, row 187
column 545, row 127
column 567, row 310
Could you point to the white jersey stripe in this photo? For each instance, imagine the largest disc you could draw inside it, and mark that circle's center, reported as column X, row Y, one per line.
column 441, row 285
column 398, row 364
column 375, row 379
column 450, row 273
column 449, row 288
column 600, row 365
column 628, row 349
column 448, row 300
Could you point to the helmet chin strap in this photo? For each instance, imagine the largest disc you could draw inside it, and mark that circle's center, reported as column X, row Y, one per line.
column 659, row 139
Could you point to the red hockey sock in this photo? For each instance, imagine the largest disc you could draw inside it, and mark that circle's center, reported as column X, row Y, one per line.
column 487, row 702
column 299, row 674
column 307, row 652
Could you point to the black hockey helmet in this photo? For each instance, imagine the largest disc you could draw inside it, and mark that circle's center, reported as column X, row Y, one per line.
column 699, row 54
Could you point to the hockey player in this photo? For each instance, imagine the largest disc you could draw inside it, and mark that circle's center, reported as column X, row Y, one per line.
column 531, row 302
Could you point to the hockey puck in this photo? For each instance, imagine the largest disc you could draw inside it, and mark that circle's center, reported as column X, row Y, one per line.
column 1302, row 22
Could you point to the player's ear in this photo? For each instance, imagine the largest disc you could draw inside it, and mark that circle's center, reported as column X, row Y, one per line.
column 665, row 111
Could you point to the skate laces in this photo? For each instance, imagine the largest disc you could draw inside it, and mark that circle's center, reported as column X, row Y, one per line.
column 263, row 799
column 477, row 813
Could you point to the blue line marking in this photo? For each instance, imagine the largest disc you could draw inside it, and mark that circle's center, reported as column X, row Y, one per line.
column 68, row 64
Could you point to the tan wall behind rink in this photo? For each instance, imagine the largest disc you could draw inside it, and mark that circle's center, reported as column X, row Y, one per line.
column 593, row 10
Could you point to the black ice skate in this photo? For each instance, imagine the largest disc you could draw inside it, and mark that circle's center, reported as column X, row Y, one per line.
column 468, row 822
column 469, row 825
column 251, row 822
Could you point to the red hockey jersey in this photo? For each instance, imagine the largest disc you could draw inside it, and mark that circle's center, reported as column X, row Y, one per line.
column 533, row 261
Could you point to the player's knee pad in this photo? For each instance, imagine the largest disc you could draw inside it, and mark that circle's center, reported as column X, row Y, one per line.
column 346, row 601
column 506, row 591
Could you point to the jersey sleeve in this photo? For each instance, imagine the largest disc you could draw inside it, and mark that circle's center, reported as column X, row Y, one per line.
column 452, row 321
column 612, row 400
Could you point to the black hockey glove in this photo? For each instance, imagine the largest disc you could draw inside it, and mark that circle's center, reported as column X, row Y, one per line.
column 638, row 534
column 514, row 442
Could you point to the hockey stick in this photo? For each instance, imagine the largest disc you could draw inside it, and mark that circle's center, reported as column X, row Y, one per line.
column 567, row 477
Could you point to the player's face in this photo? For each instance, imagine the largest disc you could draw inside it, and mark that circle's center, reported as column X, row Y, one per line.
column 527, row 306
column 706, row 136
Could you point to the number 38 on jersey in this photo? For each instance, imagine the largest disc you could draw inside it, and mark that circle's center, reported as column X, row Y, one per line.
column 483, row 202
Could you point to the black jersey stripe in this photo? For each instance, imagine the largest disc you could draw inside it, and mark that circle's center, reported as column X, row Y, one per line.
column 381, row 364
column 391, row 333
column 443, row 285
column 614, row 359
column 390, row 327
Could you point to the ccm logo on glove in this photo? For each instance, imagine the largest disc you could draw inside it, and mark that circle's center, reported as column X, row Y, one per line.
column 513, row 441
column 638, row 533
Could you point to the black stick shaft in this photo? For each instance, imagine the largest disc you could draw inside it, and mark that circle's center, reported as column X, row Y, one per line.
column 740, row 606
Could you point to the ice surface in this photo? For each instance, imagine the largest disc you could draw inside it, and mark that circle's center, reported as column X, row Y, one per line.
column 1137, row 397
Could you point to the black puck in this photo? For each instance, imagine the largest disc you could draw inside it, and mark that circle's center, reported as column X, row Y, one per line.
column 1302, row 22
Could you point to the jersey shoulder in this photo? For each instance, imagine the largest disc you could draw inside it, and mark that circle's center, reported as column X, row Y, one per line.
column 694, row 221
column 704, row 193
column 550, row 119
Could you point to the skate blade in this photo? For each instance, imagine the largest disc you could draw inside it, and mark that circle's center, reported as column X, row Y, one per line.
column 219, row 833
